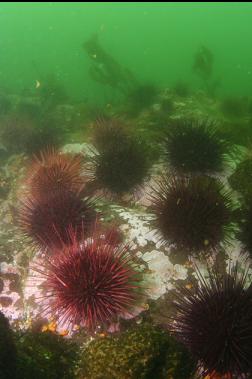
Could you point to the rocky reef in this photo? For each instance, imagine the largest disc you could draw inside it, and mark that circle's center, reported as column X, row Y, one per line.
column 122, row 229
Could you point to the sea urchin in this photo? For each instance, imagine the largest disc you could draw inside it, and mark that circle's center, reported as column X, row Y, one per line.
column 215, row 322
column 51, row 171
column 91, row 283
column 46, row 221
column 192, row 213
column 193, row 146
column 108, row 132
column 122, row 166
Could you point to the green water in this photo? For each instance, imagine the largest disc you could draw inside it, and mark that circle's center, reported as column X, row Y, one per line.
column 125, row 190
column 156, row 41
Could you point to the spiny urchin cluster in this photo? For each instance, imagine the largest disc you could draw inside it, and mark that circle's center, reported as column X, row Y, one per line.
column 91, row 283
column 214, row 321
column 193, row 213
column 89, row 280
column 195, row 147
column 54, row 200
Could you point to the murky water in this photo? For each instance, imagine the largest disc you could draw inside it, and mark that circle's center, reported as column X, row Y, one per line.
column 125, row 190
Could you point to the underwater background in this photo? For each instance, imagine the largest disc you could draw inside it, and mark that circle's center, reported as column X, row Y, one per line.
column 156, row 41
column 125, row 190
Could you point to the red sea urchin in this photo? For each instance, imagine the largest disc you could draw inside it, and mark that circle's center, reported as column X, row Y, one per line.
column 214, row 321
column 45, row 221
column 51, row 171
column 92, row 283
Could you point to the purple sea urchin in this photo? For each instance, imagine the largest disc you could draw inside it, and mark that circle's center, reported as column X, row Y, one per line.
column 192, row 213
column 122, row 166
column 214, row 321
column 195, row 147
column 108, row 132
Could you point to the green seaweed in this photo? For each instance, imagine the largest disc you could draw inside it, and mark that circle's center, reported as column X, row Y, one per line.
column 105, row 69
column 44, row 355
column 8, row 354
column 142, row 352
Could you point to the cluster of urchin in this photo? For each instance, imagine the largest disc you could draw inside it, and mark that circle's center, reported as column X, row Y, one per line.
column 93, row 281
column 89, row 280
column 195, row 212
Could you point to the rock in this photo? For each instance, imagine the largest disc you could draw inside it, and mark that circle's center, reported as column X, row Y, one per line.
column 85, row 149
